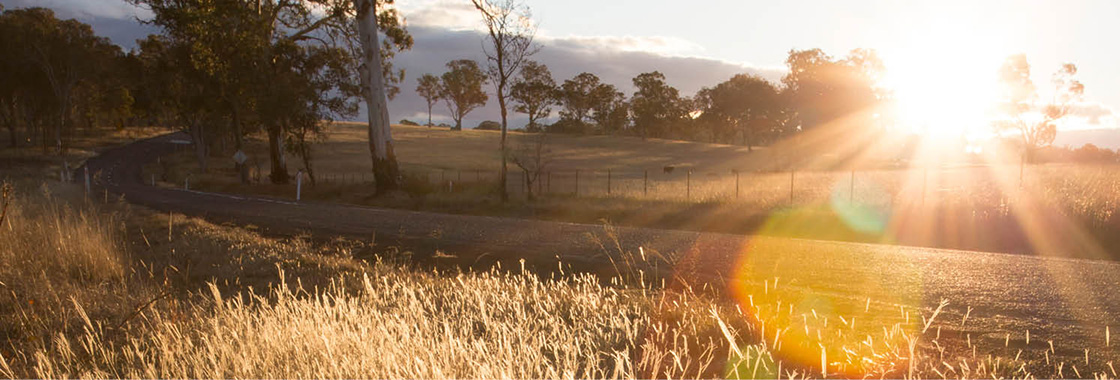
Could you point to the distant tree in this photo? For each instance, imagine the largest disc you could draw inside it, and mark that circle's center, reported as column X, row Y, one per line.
column 535, row 93
column 577, row 98
column 657, row 107
column 1019, row 101
column 462, row 89
column 824, row 90
column 428, row 87
column 68, row 58
column 510, row 31
column 611, row 112
column 489, row 125
column 533, row 155
column 744, row 103
column 409, row 122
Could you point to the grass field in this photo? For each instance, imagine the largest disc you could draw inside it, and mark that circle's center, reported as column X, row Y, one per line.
column 965, row 206
column 95, row 288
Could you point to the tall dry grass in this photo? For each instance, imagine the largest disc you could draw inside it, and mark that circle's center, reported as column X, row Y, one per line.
column 76, row 293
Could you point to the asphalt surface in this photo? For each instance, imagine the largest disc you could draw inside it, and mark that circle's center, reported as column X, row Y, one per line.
column 1067, row 301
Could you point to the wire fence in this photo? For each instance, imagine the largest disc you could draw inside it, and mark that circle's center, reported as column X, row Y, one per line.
column 697, row 184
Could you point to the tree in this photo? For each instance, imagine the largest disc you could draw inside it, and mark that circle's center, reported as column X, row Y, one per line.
column 236, row 46
column 824, row 90
column 611, row 112
column 1034, row 122
column 535, row 93
column 64, row 58
column 428, row 87
column 533, row 156
column 744, row 103
column 576, row 97
column 462, row 89
column 657, row 107
column 375, row 72
column 510, row 31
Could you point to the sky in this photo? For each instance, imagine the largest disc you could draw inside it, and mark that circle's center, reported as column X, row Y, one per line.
column 941, row 57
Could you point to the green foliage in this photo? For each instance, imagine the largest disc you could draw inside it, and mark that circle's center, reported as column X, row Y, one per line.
column 657, row 107
column 461, row 88
column 408, row 122
column 428, row 87
column 534, row 93
column 55, row 71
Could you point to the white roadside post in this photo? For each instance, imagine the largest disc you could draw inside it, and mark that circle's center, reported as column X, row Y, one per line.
column 187, row 183
column 299, row 183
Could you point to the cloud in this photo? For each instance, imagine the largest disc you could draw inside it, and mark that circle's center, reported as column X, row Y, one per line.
column 445, row 14
column 84, row 9
column 1093, row 113
column 615, row 60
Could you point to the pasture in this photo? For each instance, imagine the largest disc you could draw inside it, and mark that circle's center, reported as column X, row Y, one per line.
column 712, row 187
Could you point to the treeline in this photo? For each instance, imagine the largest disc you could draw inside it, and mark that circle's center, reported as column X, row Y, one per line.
column 220, row 70
column 57, row 78
column 745, row 109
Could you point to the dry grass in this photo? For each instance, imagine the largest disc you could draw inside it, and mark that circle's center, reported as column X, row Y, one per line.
column 239, row 305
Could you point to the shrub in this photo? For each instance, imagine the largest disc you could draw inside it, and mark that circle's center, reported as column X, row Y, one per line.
column 489, row 125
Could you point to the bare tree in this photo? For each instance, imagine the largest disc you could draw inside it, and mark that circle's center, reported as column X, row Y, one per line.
column 510, row 33
column 533, row 156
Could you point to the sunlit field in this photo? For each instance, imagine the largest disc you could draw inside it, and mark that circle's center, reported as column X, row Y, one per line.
column 720, row 188
column 131, row 293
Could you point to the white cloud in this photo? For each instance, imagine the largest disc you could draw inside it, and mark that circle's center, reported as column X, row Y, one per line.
column 446, row 14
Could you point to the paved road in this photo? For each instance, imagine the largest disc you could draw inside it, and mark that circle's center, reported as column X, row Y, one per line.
column 1067, row 301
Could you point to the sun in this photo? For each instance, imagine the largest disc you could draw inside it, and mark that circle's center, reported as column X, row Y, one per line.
column 943, row 80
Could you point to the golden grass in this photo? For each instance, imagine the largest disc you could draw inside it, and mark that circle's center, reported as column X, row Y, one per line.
column 239, row 305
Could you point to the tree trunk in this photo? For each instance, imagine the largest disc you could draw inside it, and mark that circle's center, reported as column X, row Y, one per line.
column 429, row 115
column 198, row 135
column 505, row 149
column 279, row 169
column 386, row 173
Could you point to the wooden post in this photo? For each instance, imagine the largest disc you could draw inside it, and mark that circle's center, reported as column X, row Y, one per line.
column 577, row 182
column 608, row 182
column 925, row 180
column 87, row 179
column 852, row 187
column 736, row 184
column 645, row 182
column 791, row 187
column 299, row 184
column 688, row 185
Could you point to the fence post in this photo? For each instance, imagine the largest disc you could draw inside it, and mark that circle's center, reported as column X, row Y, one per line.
column 87, row 179
column 299, row 184
column 791, row 171
column 852, row 187
column 608, row 182
column 645, row 183
column 688, row 185
column 925, row 179
column 577, row 182
column 736, row 184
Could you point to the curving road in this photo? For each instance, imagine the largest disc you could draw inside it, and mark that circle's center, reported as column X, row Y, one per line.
column 1067, row 301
